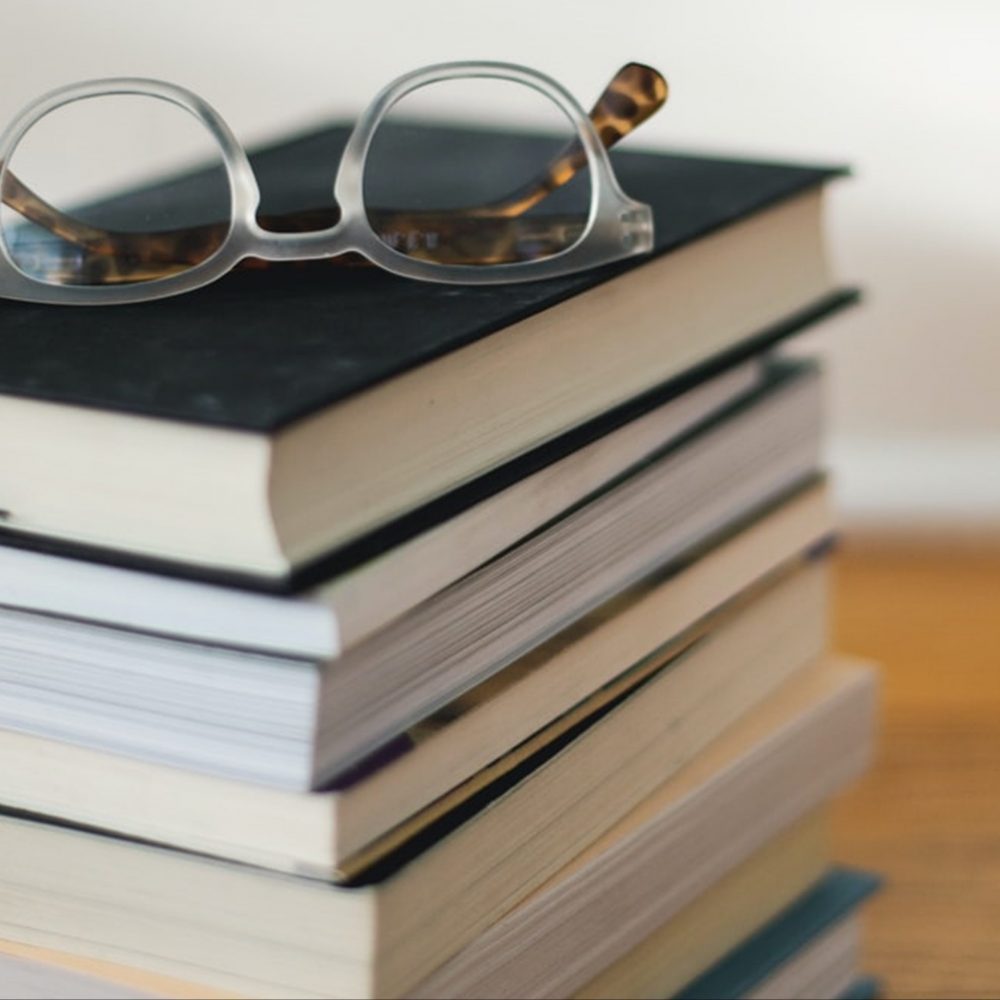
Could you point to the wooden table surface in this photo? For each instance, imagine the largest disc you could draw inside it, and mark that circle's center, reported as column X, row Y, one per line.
column 928, row 814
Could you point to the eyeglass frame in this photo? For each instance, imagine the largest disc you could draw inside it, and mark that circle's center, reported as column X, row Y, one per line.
column 617, row 225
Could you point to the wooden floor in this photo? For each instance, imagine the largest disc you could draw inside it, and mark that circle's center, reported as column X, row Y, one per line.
column 928, row 815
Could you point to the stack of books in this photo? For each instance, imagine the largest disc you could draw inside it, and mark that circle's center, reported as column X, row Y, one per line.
column 368, row 638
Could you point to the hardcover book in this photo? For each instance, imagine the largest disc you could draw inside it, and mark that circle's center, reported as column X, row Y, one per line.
column 255, row 427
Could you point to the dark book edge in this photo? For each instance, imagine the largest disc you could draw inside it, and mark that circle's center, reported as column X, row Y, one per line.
column 863, row 988
column 441, row 509
column 835, row 896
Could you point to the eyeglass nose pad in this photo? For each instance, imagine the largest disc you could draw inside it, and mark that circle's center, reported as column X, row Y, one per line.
column 310, row 220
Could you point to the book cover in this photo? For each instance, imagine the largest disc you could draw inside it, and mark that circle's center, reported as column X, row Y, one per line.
column 263, row 348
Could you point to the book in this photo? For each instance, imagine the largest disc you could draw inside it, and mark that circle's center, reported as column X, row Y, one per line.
column 727, row 913
column 258, row 425
column 825, row 967
column 288, row 722
column 618, row 891
column 805, row 946
column 247, row 930
column 690, row 943
column 710, row 675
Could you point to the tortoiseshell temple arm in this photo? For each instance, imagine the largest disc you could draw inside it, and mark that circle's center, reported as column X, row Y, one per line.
column 492, row 234
column 635, row 93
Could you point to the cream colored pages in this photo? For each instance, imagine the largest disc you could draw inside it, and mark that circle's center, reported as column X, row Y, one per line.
column 736, row 906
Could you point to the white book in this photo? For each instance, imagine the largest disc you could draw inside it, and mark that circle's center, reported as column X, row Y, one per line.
column 731, row 657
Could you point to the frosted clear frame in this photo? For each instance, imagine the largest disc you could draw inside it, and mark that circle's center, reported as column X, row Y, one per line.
column 617, row 226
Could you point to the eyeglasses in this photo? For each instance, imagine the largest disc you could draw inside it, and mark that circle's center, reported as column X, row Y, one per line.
column 163, row 199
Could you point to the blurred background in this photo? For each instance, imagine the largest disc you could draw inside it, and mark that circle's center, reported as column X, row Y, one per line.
column 905, row 91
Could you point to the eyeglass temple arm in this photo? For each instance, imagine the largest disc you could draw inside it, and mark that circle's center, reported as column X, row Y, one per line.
column 634, row 94
column 28, row 205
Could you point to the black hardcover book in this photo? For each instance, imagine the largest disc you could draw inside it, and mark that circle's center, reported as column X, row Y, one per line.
column 250, row 429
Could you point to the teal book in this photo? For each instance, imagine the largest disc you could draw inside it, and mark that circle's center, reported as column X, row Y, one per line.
column 863, row 988
column 832, row 900
column 286, row 424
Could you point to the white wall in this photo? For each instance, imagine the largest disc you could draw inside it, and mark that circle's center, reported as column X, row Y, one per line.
column 908, row 91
